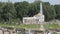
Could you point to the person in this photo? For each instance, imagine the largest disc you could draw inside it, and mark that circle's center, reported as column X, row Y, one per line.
column 35, row 32
column 49, row 33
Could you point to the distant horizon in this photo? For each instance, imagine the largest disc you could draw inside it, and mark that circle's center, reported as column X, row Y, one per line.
column 53, row 2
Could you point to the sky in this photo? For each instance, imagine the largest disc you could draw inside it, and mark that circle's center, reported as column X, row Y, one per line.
column 50, row 1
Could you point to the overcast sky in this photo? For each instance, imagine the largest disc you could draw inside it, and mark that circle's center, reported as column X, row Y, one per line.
column 51, row 1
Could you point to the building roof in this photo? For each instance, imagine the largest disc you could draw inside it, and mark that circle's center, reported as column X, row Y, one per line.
column 37, row 15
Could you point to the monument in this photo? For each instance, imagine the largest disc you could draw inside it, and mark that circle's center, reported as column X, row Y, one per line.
column 42, row 18
column 36, row 19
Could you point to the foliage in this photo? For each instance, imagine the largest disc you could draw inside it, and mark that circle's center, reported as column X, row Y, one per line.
column 49, row 11
column 13, row 12
column 21, row 9
column 57, row 9
column 8, row 12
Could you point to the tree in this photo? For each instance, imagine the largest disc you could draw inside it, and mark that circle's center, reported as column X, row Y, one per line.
column 1, row 11
column 49, row 11
column 57, row 9
column 34, row 8
column 18, row 10
column 9, row 12
column 21, row 9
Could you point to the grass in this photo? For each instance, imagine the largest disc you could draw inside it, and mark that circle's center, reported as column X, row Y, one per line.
column 28, row 26
column 31, row 26
column 21, row 26
column 53, row 26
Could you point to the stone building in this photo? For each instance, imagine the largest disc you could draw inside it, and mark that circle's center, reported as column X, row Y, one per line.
column 36, row 19
column 33, row 20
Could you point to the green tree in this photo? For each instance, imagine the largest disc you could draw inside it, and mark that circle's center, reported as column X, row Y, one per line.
column 57, row 9
column 49, row 11
column 9, row 12
column 34, row 8
column 1, row 11
column 21, row 9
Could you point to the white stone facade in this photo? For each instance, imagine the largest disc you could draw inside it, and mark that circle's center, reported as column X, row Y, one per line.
column 30, row 20
column 33, row 20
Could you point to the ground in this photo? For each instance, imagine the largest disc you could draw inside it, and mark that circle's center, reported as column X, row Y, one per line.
column 32, row 25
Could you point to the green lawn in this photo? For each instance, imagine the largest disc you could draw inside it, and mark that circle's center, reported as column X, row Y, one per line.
column 31, row 26
column 21, row 26
column 52, row 26
column 28, row 26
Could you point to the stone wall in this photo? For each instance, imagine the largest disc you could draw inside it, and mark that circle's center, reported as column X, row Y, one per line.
column 30, row 21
